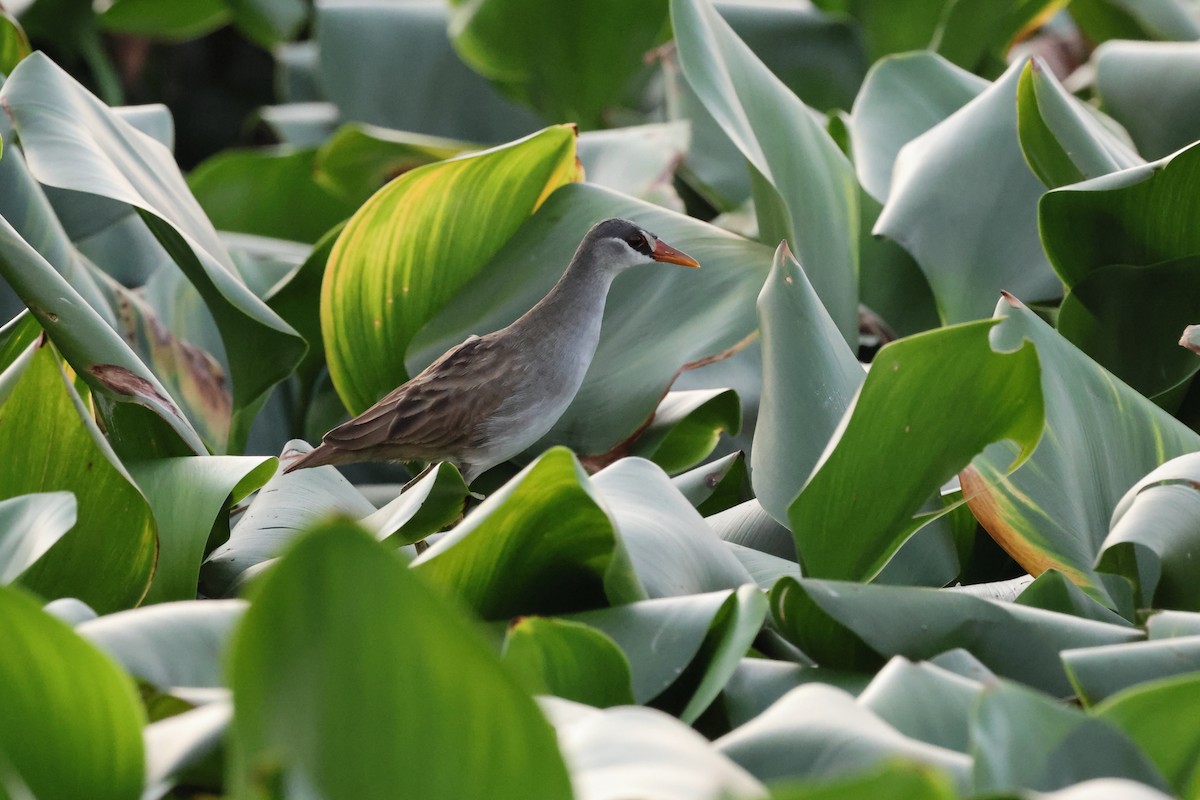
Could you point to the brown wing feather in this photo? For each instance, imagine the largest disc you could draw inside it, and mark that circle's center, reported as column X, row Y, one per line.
column 436, row 414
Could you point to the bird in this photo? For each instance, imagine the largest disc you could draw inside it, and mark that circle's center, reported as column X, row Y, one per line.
column 491, row 397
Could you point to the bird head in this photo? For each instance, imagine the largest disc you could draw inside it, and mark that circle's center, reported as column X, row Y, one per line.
column 618, row 244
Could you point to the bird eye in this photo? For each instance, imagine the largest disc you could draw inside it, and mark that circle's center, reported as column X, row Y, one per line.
column 637, row 242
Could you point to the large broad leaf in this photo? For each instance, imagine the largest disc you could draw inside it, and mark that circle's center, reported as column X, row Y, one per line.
column 179, row 747
column 937, row 186
column 72, row 720
column 73, row 141
column 1077, row 221
column 1159, row 718
column 418, row 241
column 819, row 732
column 523, row 46
column 189, row 497
column 661, row 637
column 638, row 160
column 269, row 193
column 541, row 544
column 804, row 186
column 912, row 395
column 1063, row 139
column 902, row 97
column 850, row 626
column 899, row 694
column 299, row 670
column 170, row 644
column 431, row 90
column 29, row 526
column 1152, row 262
column 358, row 159
column 1101, row 437
column 135, row 405
column 107, row 558
column 1153, row 536
column 1058, row 746
column 687, row 427
column 269, row 22
column 672, row 549
column 165, row 21
column 428, row 505
column 894, row 780
column 640, row 752
column 806, row 389
column 282, row 508
column 568, row 660
column 1145, row 86
column 1101, row 20
column 1100, row 672
column 657, row 318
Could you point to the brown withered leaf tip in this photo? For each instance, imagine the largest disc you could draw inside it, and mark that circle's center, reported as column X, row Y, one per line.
column 124, row 382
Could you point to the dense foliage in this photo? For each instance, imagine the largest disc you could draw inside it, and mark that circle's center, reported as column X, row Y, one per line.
column 744, row 564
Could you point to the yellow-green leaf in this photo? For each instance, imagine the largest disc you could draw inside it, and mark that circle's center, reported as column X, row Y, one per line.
column 417, row 242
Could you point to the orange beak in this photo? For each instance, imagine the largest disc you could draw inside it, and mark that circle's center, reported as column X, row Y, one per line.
column 664, row 252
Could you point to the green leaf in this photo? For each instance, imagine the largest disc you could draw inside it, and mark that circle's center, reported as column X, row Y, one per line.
column 72, row 719
column 1101, row 672
column 269, row 22
column 180, row 747
column 713, row 486
column 523, row 45
column 672, row 549
column 358, row 159
column 936, row 187
column 541, row 544
column 416, row 243
column 1158, row 718
column 1058, row 746
column 14, row 43
column 1104, row 315
column 167, row 21
column 358, row 42
column 1123, row 218
column 729, row 637
column 804, row 191
column 298, row 670
column 894, row 780
column 73, row 141
column 661, row 637
column 687, row 426
column 568, row 660
column 849, row 626
column 638, row 160
column 1144, row 86
column 899, row 694
column 1152, row 536
column 107, row 558
column 819, row 732
column 169, row 644
column 268, row 193
column 657, row 318
column 131, row 400
column 1053, row 591
column 1053, row 512
column 809, row 377
column 29, row 526
column 1063, row 140
column 912, row 395
column 1101, row 20
column 759, row 682
column 424, row 508
column 282, row 508
column 190, row 498
column 640, row 752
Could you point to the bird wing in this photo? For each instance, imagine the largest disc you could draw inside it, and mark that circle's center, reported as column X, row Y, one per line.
column 439, row 411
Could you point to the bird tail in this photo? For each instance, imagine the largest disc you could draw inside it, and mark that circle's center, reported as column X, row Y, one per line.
column 319, row 456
